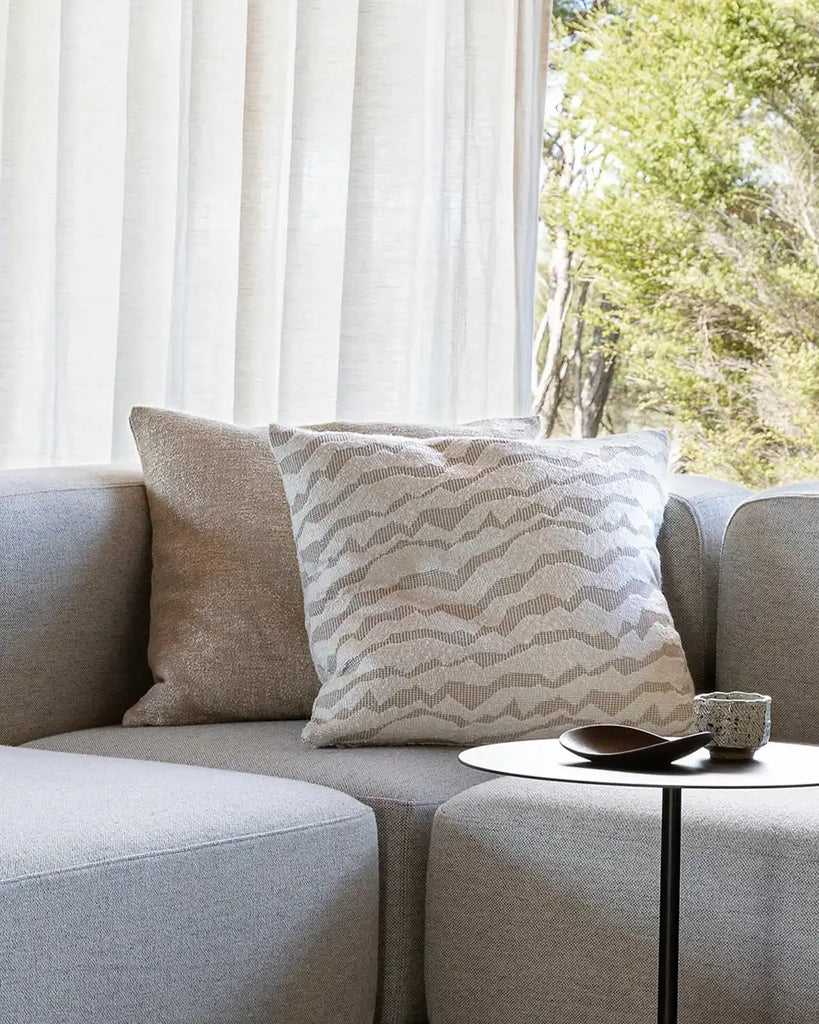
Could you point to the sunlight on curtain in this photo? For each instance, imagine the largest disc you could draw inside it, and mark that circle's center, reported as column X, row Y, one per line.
column 263, row 209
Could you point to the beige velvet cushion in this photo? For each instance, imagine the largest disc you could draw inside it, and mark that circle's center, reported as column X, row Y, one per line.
column 467, row 590
column 227, row 639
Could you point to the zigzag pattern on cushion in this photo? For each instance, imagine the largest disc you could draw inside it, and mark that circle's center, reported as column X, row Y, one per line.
column 465, row 590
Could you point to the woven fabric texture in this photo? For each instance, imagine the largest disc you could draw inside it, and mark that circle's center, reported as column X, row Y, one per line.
column 403, row 785
column 464, row 590
column 690, row 543
column 197, row 896
column 227, row 640
column 74, row 584
column 543, row 905
column 769, row 607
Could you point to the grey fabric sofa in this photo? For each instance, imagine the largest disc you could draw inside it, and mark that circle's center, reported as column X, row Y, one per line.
column 543, row 906
column 141, row 892
column 74, row 589
column 542, row 898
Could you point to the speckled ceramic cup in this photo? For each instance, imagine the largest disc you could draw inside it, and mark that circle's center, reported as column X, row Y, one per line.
column 740, row 723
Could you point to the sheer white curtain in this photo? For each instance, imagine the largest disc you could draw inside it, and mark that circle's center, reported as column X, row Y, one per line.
column 263, row 209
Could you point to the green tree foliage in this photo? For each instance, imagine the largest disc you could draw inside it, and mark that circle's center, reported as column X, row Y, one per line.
column 681, row 214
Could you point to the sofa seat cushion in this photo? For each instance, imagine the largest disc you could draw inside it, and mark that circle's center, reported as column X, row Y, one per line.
column 132, row 891
column 543, row 904
column 403, row 785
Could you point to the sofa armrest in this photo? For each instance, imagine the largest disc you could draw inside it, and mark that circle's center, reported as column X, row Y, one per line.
column 768, row 636
column 697, row 512
column 74, row 593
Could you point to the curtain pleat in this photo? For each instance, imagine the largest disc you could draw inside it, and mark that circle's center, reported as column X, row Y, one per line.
column 486, row 368
column 268, row 134
column 90, row 179
column 533, row 21
column 28, row 229
column 159, row 34
column 209, row 197
column 319, row 181
column 263, row 209
column 4, row 35
column 391, row 253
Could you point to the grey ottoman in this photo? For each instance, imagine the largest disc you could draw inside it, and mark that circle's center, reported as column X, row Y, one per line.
column 542, row 906
column 162, row 894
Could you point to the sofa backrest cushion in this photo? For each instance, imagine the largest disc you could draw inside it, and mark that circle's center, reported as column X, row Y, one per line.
column 690, row 543
column 74, row 583
column 768, row 639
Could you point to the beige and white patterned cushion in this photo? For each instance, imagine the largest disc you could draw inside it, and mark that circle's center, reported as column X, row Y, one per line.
column 464, row 590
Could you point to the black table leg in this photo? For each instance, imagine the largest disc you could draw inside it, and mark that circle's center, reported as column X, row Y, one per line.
column 669, row 908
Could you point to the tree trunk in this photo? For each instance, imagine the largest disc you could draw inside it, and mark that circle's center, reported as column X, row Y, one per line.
column 576, row 360
column 558, row 305
column 600, row 366
column 560, row 286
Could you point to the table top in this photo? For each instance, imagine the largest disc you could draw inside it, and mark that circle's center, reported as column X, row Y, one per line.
column 776, row 765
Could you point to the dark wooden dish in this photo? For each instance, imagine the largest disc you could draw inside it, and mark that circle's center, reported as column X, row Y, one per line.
column 621, row 746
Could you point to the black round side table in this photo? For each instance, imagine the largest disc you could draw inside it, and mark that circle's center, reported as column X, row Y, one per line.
column 777, row 765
